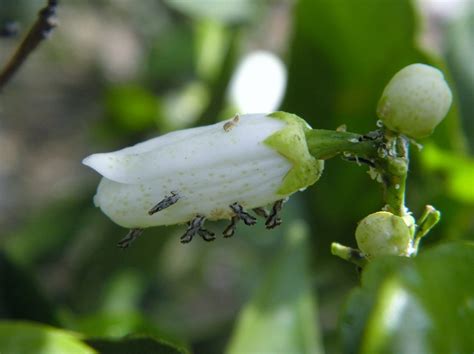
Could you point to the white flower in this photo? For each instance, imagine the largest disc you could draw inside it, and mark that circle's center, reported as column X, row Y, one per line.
column 252, row 160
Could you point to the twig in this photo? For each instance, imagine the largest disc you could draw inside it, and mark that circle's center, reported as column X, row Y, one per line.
column 39, row 31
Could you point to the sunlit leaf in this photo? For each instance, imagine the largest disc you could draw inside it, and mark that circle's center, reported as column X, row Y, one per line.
column 457, row 169
column 28, row 338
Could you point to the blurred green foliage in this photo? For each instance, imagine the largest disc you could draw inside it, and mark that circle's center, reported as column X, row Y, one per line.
column 259, row 291
column 420, row 305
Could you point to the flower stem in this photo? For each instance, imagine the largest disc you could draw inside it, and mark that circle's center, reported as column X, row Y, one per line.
column 325, row 144
column 395, row 167
column 349, row 254
column 386, row 151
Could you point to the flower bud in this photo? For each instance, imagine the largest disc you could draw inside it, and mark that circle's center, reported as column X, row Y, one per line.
column 383, row 233
column 415, row 101
column 247, row 162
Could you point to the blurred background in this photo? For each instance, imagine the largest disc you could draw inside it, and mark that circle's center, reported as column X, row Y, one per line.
column 115, row 73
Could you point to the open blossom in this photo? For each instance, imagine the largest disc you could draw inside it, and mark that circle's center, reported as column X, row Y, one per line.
column 212, row 172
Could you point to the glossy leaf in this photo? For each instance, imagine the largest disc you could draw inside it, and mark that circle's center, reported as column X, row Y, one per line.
column 142, row 345
column 420, row 305
column 28, row 337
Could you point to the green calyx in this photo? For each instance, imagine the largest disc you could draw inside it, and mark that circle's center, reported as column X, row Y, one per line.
column 291, row 143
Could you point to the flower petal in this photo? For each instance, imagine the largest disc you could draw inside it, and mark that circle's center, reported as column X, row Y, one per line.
column 205, row 192
column 184, row 151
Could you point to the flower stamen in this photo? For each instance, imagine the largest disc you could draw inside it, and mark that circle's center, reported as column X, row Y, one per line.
column 195, row 227
column 230, row 230
column 206, row 235
column 129, row 238
column 242, row 214
column 168, row 201
column 261, row 212
column 274, row 219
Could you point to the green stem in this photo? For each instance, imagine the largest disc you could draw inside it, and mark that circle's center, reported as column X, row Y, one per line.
column 325, row 144
column 387, row 153
column 349, row 254
column 395, row 167
column 427, row 221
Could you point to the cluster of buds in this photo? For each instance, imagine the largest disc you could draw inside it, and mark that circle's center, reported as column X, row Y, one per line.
column 220, row 171
column 413, row 103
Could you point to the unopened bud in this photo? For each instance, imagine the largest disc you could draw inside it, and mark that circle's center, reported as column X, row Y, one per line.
column 415, row 101
column 383, row 233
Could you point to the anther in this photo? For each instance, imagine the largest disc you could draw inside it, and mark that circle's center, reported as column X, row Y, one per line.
column 195, row 227
column 230, row 230
column 206, row 235
column 261, row 212
column 129, row 238
column 246, row 217
column 168, row 201
column 274, row 219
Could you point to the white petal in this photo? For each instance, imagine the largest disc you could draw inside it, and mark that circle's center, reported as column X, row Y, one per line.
column 204, row 191
column 186, row 151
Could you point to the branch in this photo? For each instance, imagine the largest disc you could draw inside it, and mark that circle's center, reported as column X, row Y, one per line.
column 39, row 31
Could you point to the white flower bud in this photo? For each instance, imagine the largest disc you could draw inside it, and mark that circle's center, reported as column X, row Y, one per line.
column 383, row 233
column 256, row 160
column 415, row 101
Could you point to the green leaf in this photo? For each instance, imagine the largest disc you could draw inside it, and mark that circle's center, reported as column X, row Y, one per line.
column 459, row 47
column 281, row 317
column 420, row 305
column 28, row 338
column 49, row 230
column 224, row 11
column 132, row 107
column 458, row 171
column 139, row 345
column 20, row 295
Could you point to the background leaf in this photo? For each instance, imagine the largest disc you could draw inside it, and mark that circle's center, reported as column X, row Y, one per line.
column 28, row 338
column 137, row 345
column 20, row 295
column 281, row 317
column 420, row 305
